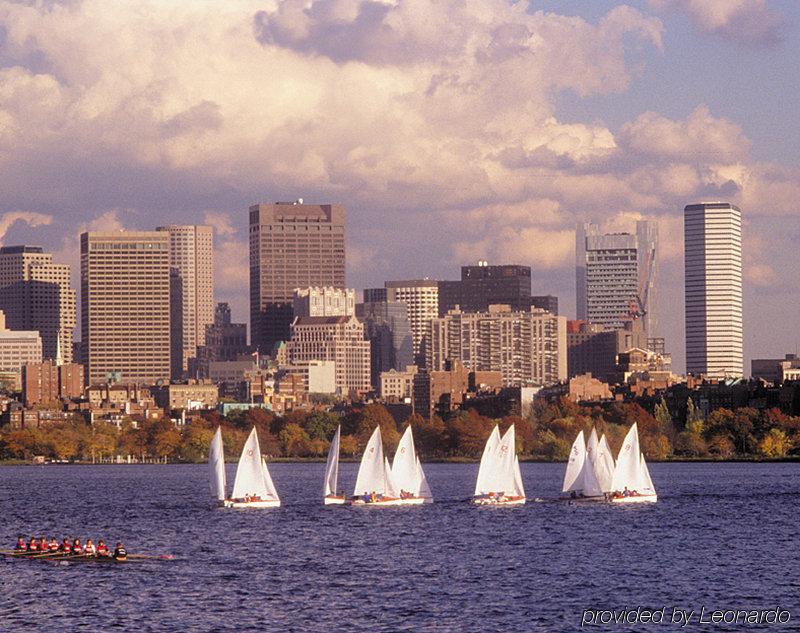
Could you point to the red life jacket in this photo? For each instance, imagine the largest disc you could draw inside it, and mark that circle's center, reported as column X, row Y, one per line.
column 102, row 550
column 65, row 547
column 21, row 547
column 53, row 547
column 33, row 546
column 77, row 549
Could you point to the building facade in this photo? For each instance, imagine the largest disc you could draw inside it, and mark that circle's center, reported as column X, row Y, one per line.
column 483, row 285
column 527, row 348
column 125, row 306
column 17, row 349
column 48, row 382
column 388, row 330
column 338, row 339
column 37, row 294
column 421, row 297
column 614, row 272
column 223, row 341
column 593, row 349
column 713, row 289
column 191, row 260
column 326, row 301
column 292, row 245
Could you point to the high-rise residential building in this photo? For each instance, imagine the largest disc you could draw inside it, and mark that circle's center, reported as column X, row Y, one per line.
column 191, row 260
column 421, row 297
column 616, row 276
column 387, row 328
column 483, row 285
column 17, row 348
column 528, row 348
column 339, row 339
column 326, row 301
column 225, row 341
column 713, row 265
column 292, row 245
column 125, row 306
column 36, row 294
column 593, row 349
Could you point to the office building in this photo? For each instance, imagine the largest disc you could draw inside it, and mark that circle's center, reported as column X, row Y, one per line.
column 48, row 382
column 292, row 245
column 388, row 330
column 191, row 260
column 483, row 285
column 325, row 301
column 339, row 339
column 593, row 349
column 527, row 348
column 17, row 348
column 421, row 297
column 775, row 370
column 37, row 294
column 616, row 276
column 713, row 290
column 125, row 306
column 223, row 341
column 548, row 303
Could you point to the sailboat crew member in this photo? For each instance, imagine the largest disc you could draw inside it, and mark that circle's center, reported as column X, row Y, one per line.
column 120, row 553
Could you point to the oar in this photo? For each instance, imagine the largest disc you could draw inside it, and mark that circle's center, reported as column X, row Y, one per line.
column 152, row 556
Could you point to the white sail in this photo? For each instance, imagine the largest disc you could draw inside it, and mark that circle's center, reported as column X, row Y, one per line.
column 332, row 465
column 586, row 483
column 216, row 463
column 372, row 471
column 268, row 485
column 647, row 482
column 519, row 489
column 485, row 481
column 604, row 465
column 577, row 455
column 507, row 458
column 592, row 444
column 404, row 465
column 628, row 471
column 423, row 489
column 392, row 490
column 250, row 480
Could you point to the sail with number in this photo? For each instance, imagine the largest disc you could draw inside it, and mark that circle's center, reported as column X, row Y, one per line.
column 604, row 465
column 488, row 467
column 577, row 456
column 216, row 463
column 332, row 465
column 250, row 480
column 372, row 471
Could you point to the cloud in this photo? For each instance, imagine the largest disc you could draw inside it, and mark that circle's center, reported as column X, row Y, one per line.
column 748, row 22
column 32, row 218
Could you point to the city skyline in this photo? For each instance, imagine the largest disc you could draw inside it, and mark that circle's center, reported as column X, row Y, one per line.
column 433, row 174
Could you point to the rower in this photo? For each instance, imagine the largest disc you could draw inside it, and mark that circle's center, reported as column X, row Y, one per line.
column 89, row 549
column 120, row 553
column 21, row 545
column 77, row 548
column 65, row 547
column 102, row 550
column 43, row 545
column 53, row 546
column 33, row 545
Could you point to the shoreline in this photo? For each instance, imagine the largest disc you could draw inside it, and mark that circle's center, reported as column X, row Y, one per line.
column 440, row 460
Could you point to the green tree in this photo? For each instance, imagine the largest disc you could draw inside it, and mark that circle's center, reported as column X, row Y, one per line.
column 294, row 440
column 321, row 425
column 694, row 418
column 664, row 419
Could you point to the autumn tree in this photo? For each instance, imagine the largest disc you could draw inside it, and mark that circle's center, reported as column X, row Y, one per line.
column 294, row 440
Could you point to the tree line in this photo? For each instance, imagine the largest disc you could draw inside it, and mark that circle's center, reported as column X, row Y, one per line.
column 546, row 434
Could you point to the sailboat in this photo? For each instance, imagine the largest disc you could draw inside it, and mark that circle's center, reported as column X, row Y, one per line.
column 253, row 487
column 604, row 464
column 580, row 479
column 332, row 472
column 631, row 482
column 407, row 474
column 374, row 484
column 499, row 479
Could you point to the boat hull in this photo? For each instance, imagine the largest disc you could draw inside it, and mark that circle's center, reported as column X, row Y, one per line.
column 381, row 503
column 636, row 499
column 584, row 499
column 264, row 503
column 485, row 501
column 334, row 501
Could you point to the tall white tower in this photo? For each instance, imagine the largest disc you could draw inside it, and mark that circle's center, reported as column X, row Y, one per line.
column 713, row 287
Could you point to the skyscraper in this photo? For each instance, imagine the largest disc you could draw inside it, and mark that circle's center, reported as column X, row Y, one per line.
column 125, row 305
column 483, row 285
column 191, row 263
column 713, row 287
column 36, row 294
column 389, row 332
column 292, row 245
column 614, row 272
column 421, row 297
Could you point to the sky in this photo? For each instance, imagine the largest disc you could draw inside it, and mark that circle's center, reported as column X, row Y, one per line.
column 451, row 130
